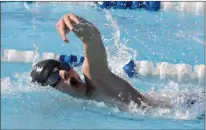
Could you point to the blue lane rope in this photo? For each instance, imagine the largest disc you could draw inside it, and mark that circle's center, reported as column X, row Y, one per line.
column 72, row 60
column 147, row 5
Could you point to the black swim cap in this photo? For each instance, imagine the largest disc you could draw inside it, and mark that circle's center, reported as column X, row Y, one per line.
column 43, row 69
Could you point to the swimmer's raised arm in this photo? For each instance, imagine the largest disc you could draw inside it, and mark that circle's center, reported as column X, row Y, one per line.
column 95, row 54
column 84, row 29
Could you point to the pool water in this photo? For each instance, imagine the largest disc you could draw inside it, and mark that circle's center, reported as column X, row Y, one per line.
column 173, row 37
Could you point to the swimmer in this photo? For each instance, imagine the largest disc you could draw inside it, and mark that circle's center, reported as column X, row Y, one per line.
column 100, row 83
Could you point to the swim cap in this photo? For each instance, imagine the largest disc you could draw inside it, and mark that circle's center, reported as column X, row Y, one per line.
column 43, row 69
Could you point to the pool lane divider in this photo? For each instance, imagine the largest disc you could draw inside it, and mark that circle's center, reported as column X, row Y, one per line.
column 145, row 71
column 147, row 5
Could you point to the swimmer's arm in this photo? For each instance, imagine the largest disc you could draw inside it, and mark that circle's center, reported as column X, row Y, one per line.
column 83, row 29
column 95, row 54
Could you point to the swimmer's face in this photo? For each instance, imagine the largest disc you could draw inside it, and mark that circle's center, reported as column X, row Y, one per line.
column 71, row 83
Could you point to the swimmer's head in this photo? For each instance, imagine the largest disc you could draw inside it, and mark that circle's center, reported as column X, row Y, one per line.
column 58, row 75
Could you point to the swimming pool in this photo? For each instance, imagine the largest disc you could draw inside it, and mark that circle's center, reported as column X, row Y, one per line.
column 173, row 37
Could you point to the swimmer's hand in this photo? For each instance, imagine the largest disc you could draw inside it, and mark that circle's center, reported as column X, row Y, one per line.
column 83, row 29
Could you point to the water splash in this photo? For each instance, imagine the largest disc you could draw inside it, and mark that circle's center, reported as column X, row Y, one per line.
column 187, row 101
column 36, row 55
column 175, row 102
column 118, row 53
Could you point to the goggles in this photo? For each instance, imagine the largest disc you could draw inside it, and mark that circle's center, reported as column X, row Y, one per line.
column 54, row 78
